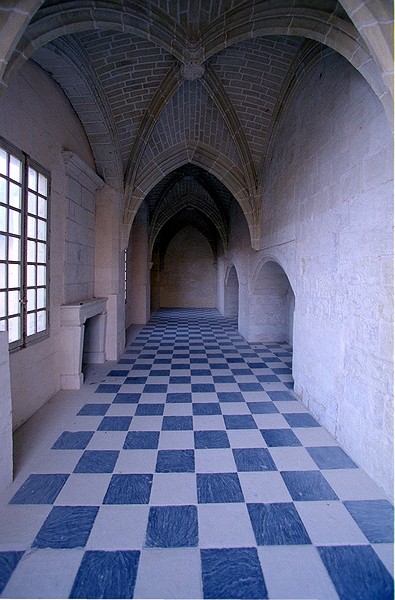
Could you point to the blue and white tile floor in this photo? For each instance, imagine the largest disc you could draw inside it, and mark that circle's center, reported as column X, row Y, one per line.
column 190, row 470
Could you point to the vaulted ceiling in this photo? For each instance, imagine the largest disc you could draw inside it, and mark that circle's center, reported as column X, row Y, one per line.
column 179, row 98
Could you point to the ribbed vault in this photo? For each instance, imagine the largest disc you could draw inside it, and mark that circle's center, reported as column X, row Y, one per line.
column 161, row 85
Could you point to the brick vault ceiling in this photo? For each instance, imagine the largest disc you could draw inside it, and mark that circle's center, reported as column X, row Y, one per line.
column 159, row 84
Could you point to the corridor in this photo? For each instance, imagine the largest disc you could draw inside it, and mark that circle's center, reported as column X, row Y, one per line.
column 188, row 469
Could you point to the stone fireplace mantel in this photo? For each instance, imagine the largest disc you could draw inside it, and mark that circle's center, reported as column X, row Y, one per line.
column 82, row 339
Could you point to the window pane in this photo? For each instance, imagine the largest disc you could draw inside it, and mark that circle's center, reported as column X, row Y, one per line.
column 42, row 230
column 32, row 178
column 42, row 185
column 14, row 276
column 3, row 218
column 14, row 222
column 32, row 203
column 3, row 299
column 13, row 303
column 14, row 248
column 15, row 168
column 31, row 227
column 42, row 208
column 41, row 298
column 41, row 320
column 31, row 299
column 3, row 273
column 31, row 251
column 15, row 195
column 3, row 162
column 31, row 275
column 3, row 325
column 31, row 323
column 41, row 275
column 14, row 329
column 3, row 191
column 3, row 247
column 41, row 252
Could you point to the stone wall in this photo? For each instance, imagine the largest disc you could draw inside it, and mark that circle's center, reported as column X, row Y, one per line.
column 189, row 276
column 327, row 219
column 36, row 117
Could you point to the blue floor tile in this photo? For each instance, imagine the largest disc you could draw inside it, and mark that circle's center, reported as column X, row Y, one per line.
column 268, row 379
column 8, row 563
column 141, row 440
column 202, row 388
column 232, row 573
column 277, row 524
column 224, row 379
column 211, row 439
column 129, row 489
column 175, row 461
column 155, row 388
column 357, row 572
column 107, row 388
column 262, row 408
column 308, row 485
column 159, row 373
column 115, row 424
column 374, row 517
column 300, row 420
column 39, row 489
column 280, row 437
column 331, row 457
column 253, row 459
column 250, row 387
column 282, row 371
column 230, row 397
column 200, row 373
column 179, row 397
column 118, row 373
column 242, row 372
column 118, row 572
column 181, row 380
column 177, row 424
column 135, row 380
column 66, row 527
column 97, row 461
column 206, row 408
column 281, row 396
column 219, row 488
column 172, row 527
column 239, row 422
column 73, row 440
column 149, row 409
column 123, row 398
column 94, row 409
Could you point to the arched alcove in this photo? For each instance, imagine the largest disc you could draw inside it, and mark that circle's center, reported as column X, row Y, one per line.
column 231, row 294
column 188, row 278
column 272, row 305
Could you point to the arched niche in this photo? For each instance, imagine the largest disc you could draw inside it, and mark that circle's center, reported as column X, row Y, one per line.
column 272, row 305
column 231, row 293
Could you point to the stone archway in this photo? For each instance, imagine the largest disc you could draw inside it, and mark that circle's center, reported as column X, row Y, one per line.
column 272, row 305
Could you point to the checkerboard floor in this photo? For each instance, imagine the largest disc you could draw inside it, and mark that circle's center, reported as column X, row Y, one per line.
column 190, row 470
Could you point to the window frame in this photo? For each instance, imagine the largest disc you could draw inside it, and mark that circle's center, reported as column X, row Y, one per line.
column 27, row 162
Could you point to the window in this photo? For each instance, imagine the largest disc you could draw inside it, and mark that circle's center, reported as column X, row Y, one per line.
column 24, row 196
